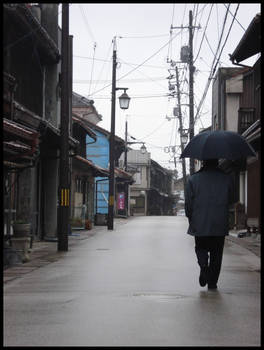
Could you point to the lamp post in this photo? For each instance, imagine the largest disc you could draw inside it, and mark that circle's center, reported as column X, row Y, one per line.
column 124, row 100
column 143, row 148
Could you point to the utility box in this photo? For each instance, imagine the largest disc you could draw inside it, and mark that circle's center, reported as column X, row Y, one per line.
column 176, row 111
column 185, row 54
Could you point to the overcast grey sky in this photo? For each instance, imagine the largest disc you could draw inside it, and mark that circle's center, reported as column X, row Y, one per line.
column 142, row 52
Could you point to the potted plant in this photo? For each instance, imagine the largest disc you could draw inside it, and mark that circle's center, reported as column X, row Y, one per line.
column 21, row 228
column 76, row 222
column 88, row 224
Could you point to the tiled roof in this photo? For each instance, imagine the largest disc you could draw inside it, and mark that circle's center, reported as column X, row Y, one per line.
column 80, row 101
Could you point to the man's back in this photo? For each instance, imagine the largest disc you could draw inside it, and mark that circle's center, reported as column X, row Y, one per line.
column 208, row 195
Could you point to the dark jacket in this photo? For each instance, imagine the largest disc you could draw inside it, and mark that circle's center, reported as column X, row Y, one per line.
column 209, row 192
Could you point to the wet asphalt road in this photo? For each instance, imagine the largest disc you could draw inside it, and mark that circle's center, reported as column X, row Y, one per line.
column 136, row 285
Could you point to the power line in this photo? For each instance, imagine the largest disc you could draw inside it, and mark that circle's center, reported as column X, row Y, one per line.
column 153, row 131
column 134, row 97
column 209, row 44
column 141, row 64
column 149, row 78
column 144, row 37
column 169, row 46
column 124, row 62
column 209, row 79
column 204, row 32
column 199, row 21
column 212, row 70
column 227, row 36
column 86, row 23
column 103, row 66
column 234, row 16
column 92, row 71
column 84, row 81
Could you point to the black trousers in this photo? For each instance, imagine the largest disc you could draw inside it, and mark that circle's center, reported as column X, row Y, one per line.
column 209, row 252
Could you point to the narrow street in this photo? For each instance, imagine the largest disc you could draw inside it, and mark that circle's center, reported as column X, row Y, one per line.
column 137, row 285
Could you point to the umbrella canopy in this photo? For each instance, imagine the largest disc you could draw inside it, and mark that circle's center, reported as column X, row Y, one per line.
column 218, row 144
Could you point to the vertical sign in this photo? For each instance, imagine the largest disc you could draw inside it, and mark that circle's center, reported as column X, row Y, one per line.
column 121, row 201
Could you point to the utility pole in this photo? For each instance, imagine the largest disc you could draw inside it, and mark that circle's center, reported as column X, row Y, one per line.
column 64, row 195
column 181, row 128
column 125, row 155
column 124, row 104
column 191, row 71
column 110, row 223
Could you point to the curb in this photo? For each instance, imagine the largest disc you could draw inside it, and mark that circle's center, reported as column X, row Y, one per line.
column 251, row 243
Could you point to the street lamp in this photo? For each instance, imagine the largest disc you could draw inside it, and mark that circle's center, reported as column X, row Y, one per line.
column 143, row 149
column 184, row 136
column 124, row 104
column 124, row 99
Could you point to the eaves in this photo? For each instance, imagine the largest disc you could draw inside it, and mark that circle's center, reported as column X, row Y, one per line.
column 96, row 170
column 88, row 130
column 104, row 132
column 20, row 142
column 27, row 118
column 250, row 43
column 28, row 24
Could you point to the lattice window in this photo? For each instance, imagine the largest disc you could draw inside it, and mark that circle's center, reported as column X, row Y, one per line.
column 246, row 117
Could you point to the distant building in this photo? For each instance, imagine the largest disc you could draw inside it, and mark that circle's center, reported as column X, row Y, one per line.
column 151, row 192
column 85, row 109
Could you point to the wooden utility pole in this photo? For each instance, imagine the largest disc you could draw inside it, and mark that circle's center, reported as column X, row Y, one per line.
column 181, row 126
column 64, row 183
column 191, row 71
column 111, row 194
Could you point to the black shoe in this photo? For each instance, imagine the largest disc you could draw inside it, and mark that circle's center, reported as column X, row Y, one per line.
column 212, row 286
column 203, row 276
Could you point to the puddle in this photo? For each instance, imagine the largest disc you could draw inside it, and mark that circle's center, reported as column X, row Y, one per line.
column 158, row 296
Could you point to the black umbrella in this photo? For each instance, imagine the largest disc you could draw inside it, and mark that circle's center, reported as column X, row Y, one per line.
column 218, row 144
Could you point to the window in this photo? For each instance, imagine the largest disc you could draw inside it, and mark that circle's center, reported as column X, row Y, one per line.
column 137, row 177
column 246, row 117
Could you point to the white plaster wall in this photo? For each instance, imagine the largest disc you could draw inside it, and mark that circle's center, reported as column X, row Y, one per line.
column 232, row 106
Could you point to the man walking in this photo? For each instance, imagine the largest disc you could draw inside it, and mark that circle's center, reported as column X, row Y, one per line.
column 209, row 192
